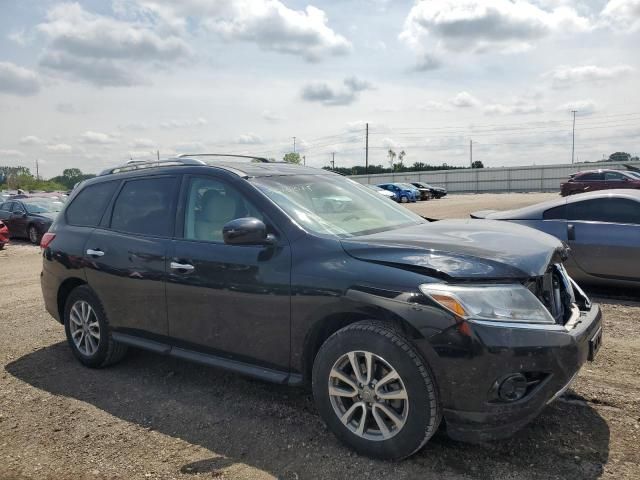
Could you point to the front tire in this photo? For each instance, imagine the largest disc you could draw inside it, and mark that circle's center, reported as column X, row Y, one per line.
column 375, row 391
column 87, row 329
column 404, row 199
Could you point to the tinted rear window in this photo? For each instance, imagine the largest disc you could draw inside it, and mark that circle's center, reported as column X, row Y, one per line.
column 590, row 177
column 87, row 207
column 612, row 210
column 145, row 207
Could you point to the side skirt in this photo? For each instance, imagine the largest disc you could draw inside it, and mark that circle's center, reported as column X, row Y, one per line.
column 247, row 369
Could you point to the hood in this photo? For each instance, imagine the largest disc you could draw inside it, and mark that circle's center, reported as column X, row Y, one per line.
column 462, row 250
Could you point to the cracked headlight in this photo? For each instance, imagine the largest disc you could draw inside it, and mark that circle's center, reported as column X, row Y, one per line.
column 505, row 303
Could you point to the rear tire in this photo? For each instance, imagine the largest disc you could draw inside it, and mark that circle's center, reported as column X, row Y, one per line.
column 395, row 411
column 87, row 329
column 34, row 235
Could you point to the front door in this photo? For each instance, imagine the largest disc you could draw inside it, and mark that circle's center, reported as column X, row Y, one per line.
column 125, row 257
column 18, row 221
column 604, row 236
column 227, row 300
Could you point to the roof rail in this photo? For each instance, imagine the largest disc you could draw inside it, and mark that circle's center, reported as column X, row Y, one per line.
column 141, row 164
column 257, row 159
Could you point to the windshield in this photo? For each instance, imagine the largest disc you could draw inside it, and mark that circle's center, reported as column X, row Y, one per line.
column 407, row 186
column 334, row 205
column 43, row 205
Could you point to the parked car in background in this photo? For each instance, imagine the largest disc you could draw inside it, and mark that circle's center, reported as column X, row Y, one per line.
column 383, row 192
column 402, row 194
column 30, row 217
column 436, row 192
column 421, row 192
column 592, row 180
column 601, row 228
column 4, row 235
column 395, row 322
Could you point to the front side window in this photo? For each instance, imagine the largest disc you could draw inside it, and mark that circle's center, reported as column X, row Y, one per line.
column 88, row 206
column 6, row 206
column 145, row 207
column 17, row 208
column 210, row 205
column 334, row 205
column 610, row 210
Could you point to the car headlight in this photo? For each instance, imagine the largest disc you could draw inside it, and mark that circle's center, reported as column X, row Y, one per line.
column 506, row 303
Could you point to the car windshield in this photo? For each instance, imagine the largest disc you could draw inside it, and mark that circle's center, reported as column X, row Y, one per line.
column 43, row 205
column 634, row 175
column 406, row 186
column 334, row 205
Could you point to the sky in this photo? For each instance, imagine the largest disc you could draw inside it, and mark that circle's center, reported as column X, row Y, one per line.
column 96, row 83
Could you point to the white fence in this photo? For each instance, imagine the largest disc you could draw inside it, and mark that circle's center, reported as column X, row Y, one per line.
column 540, row 178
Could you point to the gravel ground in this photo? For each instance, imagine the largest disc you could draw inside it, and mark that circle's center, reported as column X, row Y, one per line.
column 156, row 417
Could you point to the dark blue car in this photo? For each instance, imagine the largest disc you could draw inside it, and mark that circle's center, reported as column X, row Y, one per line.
column 401, row 193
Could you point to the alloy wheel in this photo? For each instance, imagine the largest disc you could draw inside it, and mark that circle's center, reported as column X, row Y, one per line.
column 84, row 328
column 368, row 395
column 33, row 234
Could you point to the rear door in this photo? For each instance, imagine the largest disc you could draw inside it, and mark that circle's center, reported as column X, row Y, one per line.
column 126, row 255
column 604, row 236
column 591, row 181
column 228, row 300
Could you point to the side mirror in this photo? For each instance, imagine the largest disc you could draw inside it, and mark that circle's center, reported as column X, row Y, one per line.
column 246, row 231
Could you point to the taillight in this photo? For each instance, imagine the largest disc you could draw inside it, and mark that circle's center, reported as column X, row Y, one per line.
column 46, row 240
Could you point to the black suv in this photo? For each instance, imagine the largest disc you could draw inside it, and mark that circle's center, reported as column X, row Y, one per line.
column 297, row 275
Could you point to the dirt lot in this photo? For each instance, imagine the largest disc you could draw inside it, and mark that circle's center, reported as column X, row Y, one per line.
column 155, row 417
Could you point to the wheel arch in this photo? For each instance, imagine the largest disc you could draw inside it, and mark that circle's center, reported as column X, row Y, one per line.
column 326, row 326
column 64, row 291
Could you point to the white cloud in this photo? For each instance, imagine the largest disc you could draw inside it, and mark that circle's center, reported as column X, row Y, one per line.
column 480, row 26
column 60, row 148
column 330, row 95
column 17, row 80
column 426, row 62
column 103, row 50
column 31, row 140
column 622, row 14
column 564, row 76
column 268, row 23
column 142, row 143
column 464, row 100
column 272, row 116
column 11, row 153
column 250, row 139
column 584, row 107
column 433, row 105
column 185, row 123
column 512, row 109
column 18, row 37
column 96, row 138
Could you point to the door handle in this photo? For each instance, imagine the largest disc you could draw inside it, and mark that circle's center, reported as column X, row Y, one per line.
column 95, row 253
column 571, row 231
column 182, row 266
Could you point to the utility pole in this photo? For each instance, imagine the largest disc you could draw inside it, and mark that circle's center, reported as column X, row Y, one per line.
column 294, row 144
column 366, row 151
column 304, row 160
column 573, row 136
column 471, row 153
column 158, row 154
column 333, row 160
column 37, row 171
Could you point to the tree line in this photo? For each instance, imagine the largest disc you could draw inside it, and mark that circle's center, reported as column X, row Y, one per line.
column 14, row 178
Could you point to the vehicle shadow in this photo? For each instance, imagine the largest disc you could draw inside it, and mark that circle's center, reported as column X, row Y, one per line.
column 276, row 428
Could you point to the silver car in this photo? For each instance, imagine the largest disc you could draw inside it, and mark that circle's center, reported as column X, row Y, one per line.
column 602, row 228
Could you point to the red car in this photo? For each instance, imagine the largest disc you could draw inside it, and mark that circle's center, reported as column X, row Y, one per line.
column 591, row 180
column 4, row 235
